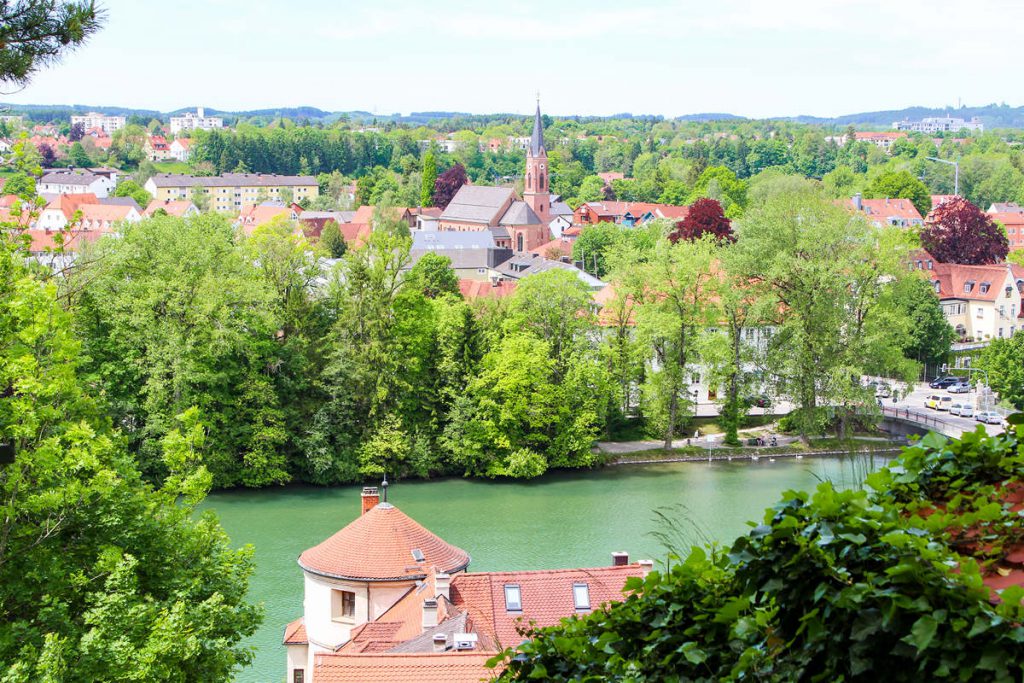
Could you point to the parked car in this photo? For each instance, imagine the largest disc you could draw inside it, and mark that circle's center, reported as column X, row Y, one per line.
column 932, row 401
column 944, row 403
column 883, row 391
column 943, row 382
column 990, row 417
column 959, row 388
column 966, row 410
column 956, row 408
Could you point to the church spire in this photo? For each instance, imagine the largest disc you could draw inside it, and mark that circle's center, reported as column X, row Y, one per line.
column 537, row 139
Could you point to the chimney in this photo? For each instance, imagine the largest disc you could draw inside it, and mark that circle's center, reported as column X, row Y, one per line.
column 429, row 614
column 857, row 203
column 646, row 566
column 370, row 498
column 443, row 585
column 440, row 642
column 620, row 559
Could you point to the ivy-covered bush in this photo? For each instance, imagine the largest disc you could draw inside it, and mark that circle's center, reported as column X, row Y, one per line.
column 857, row 585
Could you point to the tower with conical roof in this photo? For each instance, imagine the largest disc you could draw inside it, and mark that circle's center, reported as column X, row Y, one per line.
column 536, row 191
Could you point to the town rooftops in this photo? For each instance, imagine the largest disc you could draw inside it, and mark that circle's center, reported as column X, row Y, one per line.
column 496, row 289
column 378, row 546
column 888, row 210
column 448, row 240
column 966, row 282
column 519, row 213
column 419, row 667
column 526, row 264
column 477, row 204
column 83, row 178
column 232, row 180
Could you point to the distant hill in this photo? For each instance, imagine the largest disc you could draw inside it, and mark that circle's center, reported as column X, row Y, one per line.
column 992, row 115
column 701, row 118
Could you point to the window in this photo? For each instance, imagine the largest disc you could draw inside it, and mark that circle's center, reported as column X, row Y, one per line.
column 937, row 286
column 929, row 265
column 581, row 595
column 984, row 287
column 299, row 676
column 513, row 598
column 417, row 554
column 968, row 287
column 343, row 605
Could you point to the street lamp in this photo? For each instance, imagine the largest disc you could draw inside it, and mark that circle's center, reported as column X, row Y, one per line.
column 956, row 174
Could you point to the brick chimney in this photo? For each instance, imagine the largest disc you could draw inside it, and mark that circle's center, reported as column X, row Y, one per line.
column 620, row 559
column 370, row 498
column 429, row 614
column 443, row 584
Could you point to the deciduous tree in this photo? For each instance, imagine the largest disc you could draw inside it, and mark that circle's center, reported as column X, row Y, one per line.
column 900, row 185
column 959, row 232
column 449, row 183
column 705, row 217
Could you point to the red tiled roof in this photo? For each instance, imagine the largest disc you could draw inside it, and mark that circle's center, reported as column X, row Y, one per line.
column 547, row 596
column 295, row 633
column 475, row 289
column 173, row 207
column 44, row 240
column 378, row 545
column 355, row 234
column 871, row 136
column 891, row 208
column 427, row 667
column 559, row 246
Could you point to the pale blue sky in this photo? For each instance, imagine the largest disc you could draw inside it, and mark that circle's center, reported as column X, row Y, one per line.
column 754, row 58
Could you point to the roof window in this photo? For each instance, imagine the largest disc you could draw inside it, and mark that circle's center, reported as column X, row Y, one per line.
column 417, row 554
column 513, row 598
column 581, row 595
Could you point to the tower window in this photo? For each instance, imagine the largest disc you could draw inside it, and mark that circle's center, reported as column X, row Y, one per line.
column 343, row 605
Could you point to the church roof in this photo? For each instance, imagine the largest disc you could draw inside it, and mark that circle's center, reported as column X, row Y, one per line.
column 519, row 213
column 379, row 546
column 537, row 139
column 477, row 203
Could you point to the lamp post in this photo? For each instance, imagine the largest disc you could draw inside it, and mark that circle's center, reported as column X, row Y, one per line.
column 956, row 173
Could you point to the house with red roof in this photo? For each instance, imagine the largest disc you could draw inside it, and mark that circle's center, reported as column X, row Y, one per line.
column 387, row 600
column 181, row 149
column 898, row 212
column 157, row 148
column 980, row 302
column 1011, row 217
column 181, row 208
column 626, row 213
column 882, row 140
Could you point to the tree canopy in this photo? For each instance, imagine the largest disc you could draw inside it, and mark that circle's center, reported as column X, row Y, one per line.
column 959, row 232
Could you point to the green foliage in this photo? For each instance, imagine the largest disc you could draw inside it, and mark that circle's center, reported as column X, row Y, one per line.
column 130, row 188
column 836, row 585
column 36, row 33
column 20, row 184
column 102, row 577
column 902, row 185
column 929, row 333
column 433, row 274
column 1004, row 360
column 429, row 178
column 331, row 241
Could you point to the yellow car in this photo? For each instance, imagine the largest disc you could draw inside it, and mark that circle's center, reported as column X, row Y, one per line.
column 933, row 402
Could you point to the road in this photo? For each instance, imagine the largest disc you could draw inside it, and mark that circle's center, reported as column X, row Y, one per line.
column 915, row 404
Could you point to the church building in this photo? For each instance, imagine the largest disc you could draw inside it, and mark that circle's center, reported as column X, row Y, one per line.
column 518, row 224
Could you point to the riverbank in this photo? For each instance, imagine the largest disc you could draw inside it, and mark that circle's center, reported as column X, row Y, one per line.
column 697, row 454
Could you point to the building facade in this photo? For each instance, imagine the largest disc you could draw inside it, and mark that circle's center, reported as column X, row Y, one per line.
column 190, row 121
column 108, row 124
column 940, row 124
column 76, row 182
column 229, row 192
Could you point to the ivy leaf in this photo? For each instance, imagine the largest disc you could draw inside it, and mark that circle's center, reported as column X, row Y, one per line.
column 922, row 632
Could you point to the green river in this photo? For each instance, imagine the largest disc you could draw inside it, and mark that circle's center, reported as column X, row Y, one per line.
column 564, row 519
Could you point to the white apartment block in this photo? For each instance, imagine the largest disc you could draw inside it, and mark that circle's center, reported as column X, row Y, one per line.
column 940, row 124
column 190, row 121
column 106, row 123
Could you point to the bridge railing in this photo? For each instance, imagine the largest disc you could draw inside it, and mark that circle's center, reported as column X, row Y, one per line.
column 909, row 415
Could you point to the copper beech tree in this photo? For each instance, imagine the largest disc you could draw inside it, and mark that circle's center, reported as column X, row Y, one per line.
column 957, row 231
column 704, row 218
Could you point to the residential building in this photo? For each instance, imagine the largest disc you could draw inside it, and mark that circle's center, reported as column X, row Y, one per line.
column 1013, row 222
column 1005, row 207
column 524, row 265
column 525, row 220
column 387, row 600
column 252, row 217
column 314, row 222
column 898, row 212
column 75, row 182
column 108, row 124
column 940, row 124
column 181, row 149
column 229, row 192
column 60, row 211
column 105, row 217
column 881, row 140
column 190, row 121
column 980, row 302
column 940, row 199
column 180, row 208
column 493, row 289
column 627, row 213
column 474, row 255
column 156, row 148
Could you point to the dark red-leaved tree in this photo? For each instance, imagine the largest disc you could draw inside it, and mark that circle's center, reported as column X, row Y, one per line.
column 705, row 217
column 48, row 154
column 959, row 232
column 447, row 184
column 76, row 133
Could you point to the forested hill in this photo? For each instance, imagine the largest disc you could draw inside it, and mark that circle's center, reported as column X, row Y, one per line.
column 992, row 115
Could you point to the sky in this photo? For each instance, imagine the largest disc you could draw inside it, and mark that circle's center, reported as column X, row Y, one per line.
column 756, row 58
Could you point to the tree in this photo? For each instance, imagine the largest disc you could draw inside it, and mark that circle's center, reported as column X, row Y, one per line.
column 929, row 333
column 900, row 185
column 97, row 566
column 959, row 232
column 331, row 240
column 36, row 33
column 429, row 179
column 705, row 217
column 78, row 156
column 130, row 188
column 47, row 155
column 1003, row 359
column 21, row 185
column 591, row 190
column 200, row 198
column 433, row 275
column 448, row 184
column 77, row 132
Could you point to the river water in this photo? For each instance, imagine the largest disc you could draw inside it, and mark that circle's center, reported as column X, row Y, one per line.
column 564, row 519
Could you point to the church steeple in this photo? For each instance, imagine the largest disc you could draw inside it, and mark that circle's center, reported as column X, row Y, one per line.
column 536, row 188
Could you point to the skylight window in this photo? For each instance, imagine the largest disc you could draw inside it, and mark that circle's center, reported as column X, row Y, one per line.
column 417, row 554
column 581, row 595
column 513, row 598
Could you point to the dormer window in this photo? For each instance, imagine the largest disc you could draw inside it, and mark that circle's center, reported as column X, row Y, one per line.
column 581, row 596
column 968, row 287
column 937, row 286
column 985, row 287
column 929, row 265
column 513, row 598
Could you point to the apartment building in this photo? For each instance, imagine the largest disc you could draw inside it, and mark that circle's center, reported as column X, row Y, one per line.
column 108, row 124
column 190, row 121
column 229, row 192
column 940, row 124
